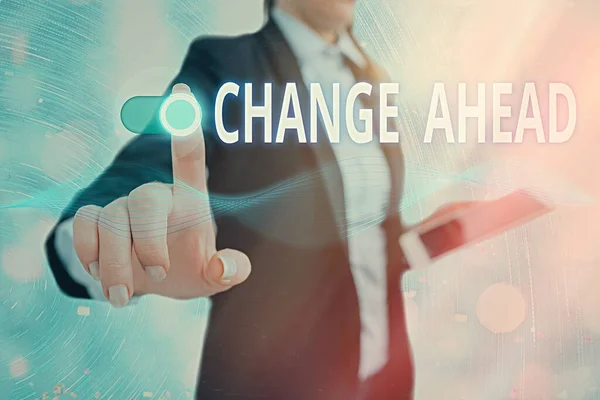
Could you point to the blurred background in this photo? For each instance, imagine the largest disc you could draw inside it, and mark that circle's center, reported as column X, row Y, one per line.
column 515, row 317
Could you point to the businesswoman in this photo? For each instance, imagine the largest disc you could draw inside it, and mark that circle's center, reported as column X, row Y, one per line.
column 302, row 261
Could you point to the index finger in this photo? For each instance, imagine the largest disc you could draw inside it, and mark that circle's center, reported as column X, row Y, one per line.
column 187, row 145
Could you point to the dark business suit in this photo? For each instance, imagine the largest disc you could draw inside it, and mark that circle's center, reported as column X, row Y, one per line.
column 292, row 330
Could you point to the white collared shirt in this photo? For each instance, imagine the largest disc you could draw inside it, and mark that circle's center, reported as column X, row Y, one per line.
column 366, row 180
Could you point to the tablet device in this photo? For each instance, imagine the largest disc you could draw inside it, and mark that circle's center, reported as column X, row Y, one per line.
column 430, row 241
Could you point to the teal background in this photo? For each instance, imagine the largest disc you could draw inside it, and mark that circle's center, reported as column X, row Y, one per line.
column 66, row 68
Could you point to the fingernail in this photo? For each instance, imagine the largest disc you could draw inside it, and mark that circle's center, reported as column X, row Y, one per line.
column 157, row 273
column 94, row 270
column 229, row 269
column 181, row 88
column 118, row 295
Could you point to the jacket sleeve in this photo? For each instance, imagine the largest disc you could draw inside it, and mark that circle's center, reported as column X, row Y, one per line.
column 146, row 158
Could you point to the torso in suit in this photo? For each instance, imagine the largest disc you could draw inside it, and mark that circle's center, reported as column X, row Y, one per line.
column 292, row 330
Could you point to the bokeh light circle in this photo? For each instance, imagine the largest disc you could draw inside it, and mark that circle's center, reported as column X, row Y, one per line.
column 18, row 367
column 501, row 308
column 22, row 264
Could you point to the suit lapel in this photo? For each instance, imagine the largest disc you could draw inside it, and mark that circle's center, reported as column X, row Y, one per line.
column 286, row 69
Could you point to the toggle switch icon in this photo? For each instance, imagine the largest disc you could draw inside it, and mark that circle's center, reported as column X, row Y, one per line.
column 179, row 114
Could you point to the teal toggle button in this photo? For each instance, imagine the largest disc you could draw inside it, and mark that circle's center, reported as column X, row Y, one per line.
column 178, row 114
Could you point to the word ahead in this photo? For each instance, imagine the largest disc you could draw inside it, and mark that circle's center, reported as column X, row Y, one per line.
column 529, row 101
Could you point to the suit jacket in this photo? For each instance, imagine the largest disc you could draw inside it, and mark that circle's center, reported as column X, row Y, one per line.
column 292, row 330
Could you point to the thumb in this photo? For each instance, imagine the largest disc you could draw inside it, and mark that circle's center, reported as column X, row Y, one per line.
column 448, row 210
column 227, row 268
